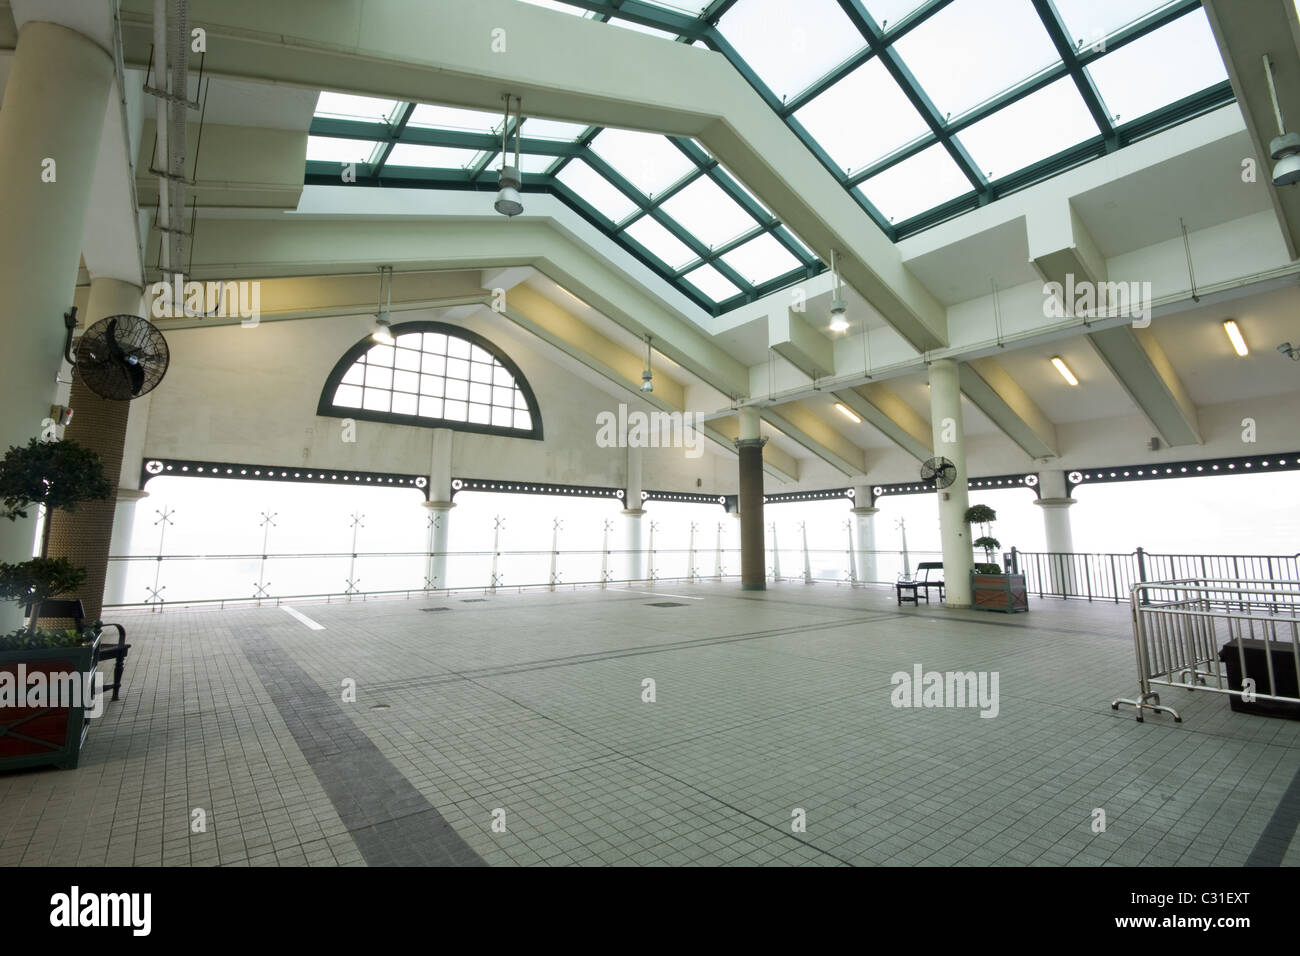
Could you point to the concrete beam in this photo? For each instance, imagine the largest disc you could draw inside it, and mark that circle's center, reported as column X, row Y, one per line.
column 891, row 416
column 248, row 248
column 564, row 68
column 810, row 430
column 1245, row 33
column 1140, row 365
column 237, row 167
column 795, row 340
column 1060, row 246
column 1001, row 398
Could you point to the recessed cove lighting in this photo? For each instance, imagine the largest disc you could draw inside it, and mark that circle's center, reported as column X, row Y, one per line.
column 849, row 413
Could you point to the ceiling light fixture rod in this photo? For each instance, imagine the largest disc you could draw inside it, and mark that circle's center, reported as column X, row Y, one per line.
column 1272, row 92
column 1187, row 248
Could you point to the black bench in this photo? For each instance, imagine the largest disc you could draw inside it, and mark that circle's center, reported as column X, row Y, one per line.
column 922, row 582
column 114, row 652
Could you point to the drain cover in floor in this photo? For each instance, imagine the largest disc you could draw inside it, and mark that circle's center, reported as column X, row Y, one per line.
column 666, row 604
column 473, row 600
column 435, row 609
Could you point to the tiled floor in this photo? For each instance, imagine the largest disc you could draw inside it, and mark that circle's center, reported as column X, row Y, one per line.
column 514, row 731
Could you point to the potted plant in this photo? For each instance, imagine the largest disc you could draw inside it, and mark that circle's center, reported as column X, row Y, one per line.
column 45, row 673
column 990, row 589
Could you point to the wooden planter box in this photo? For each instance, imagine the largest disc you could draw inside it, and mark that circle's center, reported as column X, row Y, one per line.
column 39, row 736
column 999, row 592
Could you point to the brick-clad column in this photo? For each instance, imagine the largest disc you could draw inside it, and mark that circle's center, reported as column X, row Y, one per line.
column 83, row 536
column 749, row 446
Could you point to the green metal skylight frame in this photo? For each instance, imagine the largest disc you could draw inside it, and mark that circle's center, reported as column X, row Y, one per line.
column 941, row 130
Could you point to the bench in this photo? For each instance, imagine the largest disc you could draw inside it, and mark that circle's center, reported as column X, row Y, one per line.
column 74, row 611
column 929, row 574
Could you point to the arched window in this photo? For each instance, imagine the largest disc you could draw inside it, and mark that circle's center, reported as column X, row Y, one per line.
column 435, row 376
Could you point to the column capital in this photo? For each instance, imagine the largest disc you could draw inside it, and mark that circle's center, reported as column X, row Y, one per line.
column 634, row 512
column 438, row 505
column 749, row 442
column 1055, row 502
column 131, row 494
column 865, row 510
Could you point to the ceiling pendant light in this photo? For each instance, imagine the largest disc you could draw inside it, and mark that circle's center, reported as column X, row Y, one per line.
column 839, row 314
column 383, row 308
column 1285, row 147
column 647, row 377
column 509, row 203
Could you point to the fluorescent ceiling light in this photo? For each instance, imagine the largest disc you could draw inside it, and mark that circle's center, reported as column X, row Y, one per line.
column 849, row 413
column 1064, row 370
column 1235, row 336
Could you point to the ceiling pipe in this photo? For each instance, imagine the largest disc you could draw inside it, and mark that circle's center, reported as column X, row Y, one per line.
column 162, row 159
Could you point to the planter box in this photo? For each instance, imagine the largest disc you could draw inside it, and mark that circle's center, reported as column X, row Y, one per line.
column 999, row 592
column 40, row 736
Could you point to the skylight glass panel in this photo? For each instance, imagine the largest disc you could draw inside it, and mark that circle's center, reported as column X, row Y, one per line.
column 1179, row 59
column 712, row 283
column 449, row 117
column 1040, row 125
column 968, row 53
column 761, row 259
column 330, row 150
column 440, row 157
column 743, row 188
column 557, row 6
column 598, row 191
column 888, row 13
column 648, row 161
column 789, row 45
column 1088, row 22
column 708, row 213
column 553, row 129
column 928, row 179
column 529, row 162
column 862, row 118
column 690, row 9
column 660, row 242
column 642, row 28
column 349, row 106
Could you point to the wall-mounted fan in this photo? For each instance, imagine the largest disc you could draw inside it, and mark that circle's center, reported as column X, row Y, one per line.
column 121, row 357
column 939, row 472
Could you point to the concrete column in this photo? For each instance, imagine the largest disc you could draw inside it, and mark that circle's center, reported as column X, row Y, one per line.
column 633, row 513
column 753, row 566
column 85, row 536
column 950, row 443
column 54, row 103
column 1055, row 504
column 864, row 514
column 439, row 505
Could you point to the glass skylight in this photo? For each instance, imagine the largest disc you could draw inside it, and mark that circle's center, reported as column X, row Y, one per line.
column 443, row 157
column 968, row 53
column 789, row 45
column 330, row 150
column 348, row 106
column 690, row 9
column 1179, row 59
column 447, row 117
column 862, row 117
column 928, row 179
column 708, row 213
column 655, row 237
column 642, row 28
column 761, row 259
column 648, row 161
column 529, row 162
column 596, row 190
column 557, row 5
column 1040, row 125
column 888, row 13
column 553, row 129
column 1089, row 22
column 712, row 283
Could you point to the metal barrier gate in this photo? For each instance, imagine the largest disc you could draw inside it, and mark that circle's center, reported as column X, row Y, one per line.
column 1180, row 626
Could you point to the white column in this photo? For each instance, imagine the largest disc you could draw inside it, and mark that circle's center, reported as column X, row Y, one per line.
column 119, row 572
column 439, row 505
column 51, row 122
column 633, row 513
column 1055, row 504
column 950, row 443
column 864, row 514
